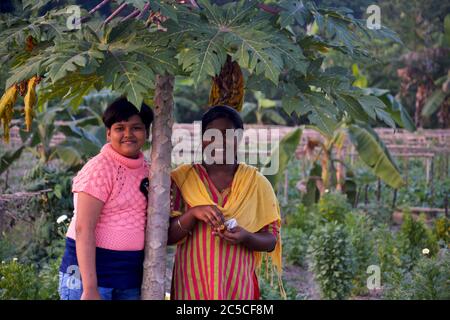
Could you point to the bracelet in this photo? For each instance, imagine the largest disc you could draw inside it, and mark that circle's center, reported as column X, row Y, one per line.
column 183, row 229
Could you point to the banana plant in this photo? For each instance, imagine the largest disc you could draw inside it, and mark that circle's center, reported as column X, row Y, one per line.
column 78, row 145
column 282, row 153
column 329, row 159
column 440, row 98
column 7, row 158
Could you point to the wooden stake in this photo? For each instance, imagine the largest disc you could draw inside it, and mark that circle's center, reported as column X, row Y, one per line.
column 394, row 198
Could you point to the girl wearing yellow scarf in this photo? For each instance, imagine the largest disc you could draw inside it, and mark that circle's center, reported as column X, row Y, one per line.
column 211, row 261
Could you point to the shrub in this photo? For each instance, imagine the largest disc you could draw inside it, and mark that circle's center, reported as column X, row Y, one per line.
column 332, row 260
column 429, row 280
column 295, row 246
column 414, row 237
column 17, row 281
column 333, row 206
column 271, row 291
column 441, row 229
column 35, row 236
column 380, row 213
column 26, row 282
column 303, row 218
column 387, row 252
column 360, row 226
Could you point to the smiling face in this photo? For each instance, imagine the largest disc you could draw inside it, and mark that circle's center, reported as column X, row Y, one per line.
column 127, row 137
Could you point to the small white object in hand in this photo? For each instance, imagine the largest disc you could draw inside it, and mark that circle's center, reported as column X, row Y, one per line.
column 230, row 224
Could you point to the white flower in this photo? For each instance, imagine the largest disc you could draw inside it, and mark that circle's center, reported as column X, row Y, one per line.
column 61, row 219
column 3, row 261
column 327, row 190
column 425, row 251
column 15, row 259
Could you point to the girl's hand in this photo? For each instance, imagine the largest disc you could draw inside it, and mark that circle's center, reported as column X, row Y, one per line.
column 208, row 214
column 90, row 295
column 236, row 235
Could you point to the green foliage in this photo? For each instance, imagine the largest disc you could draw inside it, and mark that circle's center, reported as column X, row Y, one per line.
column 332, row 260
column 24, row 282
column 295, row 246
column 360, row 229
column 240, row 28
column 380, row 213
column 429, row 280
column 35, row 237
column 387, row 251
column 312, row 194
column 415, row 236
column 8, row 157
column 270, row 291
column 394, row 108
column 80, row 143
column 374, row 154
column 441, row 229
column 333, row 206
column 281, row 155
column 303, row 218
column 279, row 56
column 122, row 56
column 259, row 109
column 16, row 281
column 417, row 193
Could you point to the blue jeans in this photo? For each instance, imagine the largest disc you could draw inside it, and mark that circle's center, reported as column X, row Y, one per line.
column 70, row 288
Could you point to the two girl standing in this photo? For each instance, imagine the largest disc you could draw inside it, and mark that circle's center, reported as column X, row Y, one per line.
column 105, row 241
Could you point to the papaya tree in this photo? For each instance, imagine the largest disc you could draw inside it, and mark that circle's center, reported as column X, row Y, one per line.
column 141, row 48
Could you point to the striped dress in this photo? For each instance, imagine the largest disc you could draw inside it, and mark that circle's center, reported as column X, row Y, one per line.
column 207, row 267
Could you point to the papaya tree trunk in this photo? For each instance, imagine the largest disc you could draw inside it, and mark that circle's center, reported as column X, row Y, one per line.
column 153, row 284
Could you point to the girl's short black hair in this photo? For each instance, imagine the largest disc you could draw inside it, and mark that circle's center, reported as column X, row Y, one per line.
column 121, row 110
column 222, row 111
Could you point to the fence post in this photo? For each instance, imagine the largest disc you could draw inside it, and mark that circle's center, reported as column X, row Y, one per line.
column 378, row 190
column 394, row 198
column 431, row 180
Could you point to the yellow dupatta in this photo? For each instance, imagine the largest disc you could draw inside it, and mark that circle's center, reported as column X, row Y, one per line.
column 252, row 202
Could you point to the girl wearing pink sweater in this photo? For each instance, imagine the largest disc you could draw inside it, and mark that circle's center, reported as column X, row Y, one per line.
column 105, row 240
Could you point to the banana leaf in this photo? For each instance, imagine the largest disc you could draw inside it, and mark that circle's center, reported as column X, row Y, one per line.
column 374, row 154
column 283, row 154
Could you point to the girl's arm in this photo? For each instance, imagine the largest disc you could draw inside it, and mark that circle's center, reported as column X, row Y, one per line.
column 182, row 225
column 259, row 241
column 187, row 222
column 88, row 211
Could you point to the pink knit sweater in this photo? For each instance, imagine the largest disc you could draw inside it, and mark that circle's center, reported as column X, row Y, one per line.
column 115, row 180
